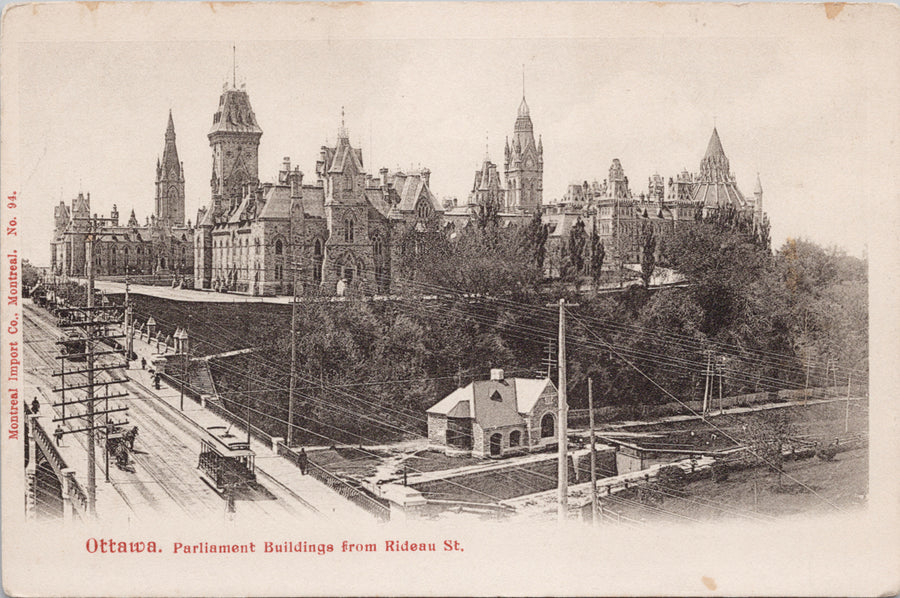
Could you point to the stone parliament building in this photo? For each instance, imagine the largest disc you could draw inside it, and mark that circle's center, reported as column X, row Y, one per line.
column 163, row 245
column 341, row 231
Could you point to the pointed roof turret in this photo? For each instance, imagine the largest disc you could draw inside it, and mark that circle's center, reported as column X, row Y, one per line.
column 170, row 161
column 170, row 128
column 758, row 189
column 714, row 148
column 523, row 109
column 234, row 114
column 715, row 185
column 132, row 220
column 714, row 166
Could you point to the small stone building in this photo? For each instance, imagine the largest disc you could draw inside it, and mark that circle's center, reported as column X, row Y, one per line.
column 496, row 417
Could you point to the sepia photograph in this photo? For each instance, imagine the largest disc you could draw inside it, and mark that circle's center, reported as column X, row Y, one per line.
column 449, row 298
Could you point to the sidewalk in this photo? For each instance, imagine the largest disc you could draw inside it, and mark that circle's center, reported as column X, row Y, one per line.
column 328, row 503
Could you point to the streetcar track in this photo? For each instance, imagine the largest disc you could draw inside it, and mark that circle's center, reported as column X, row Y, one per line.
column 164, row 462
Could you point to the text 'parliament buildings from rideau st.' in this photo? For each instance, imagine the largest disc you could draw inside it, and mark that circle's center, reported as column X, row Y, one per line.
column 344, row 229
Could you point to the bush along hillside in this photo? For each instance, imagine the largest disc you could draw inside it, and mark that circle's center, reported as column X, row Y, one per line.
column 474, row 299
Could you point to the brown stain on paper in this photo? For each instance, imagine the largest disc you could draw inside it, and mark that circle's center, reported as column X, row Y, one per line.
column 833, row 9
column 709, row 582
column 91, row 6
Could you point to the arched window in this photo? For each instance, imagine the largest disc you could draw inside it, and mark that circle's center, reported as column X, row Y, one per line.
column 515, row 438
column 279, row 247
column 318, row 260
column 548, row 426
column 377, row 246
column 348, row 230
column 496, row 444
column 423, row 209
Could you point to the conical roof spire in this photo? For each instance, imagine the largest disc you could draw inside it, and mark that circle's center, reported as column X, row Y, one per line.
column 758, row 189
column 523, row 108
column 170, row 161
column 714, row 149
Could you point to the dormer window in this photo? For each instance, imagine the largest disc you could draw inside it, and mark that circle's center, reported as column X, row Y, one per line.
column 495, row 396
column 423, row 210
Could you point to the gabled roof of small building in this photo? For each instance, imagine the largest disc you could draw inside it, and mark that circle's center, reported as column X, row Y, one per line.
column 493, row 403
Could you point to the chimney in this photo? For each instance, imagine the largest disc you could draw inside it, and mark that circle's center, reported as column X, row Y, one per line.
column 426, row 175
column 497, row 374
column 296, row 178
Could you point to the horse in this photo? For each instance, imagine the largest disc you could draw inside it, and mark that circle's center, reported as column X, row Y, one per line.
column 130, row 436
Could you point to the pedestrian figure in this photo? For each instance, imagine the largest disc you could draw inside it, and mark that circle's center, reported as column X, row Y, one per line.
column 229, row 504
column 58, row 434
column 156, row 381
column 304, row 461
column 143, row 363
column 35, row 406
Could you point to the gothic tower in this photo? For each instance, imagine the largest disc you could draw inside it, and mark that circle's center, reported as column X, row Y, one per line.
column 169, row 210
column 234, row 139
column 524, row 164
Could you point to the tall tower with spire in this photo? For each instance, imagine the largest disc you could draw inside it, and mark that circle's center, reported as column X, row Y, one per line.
column 169, row 209
column 524, row 162
column 234, row 139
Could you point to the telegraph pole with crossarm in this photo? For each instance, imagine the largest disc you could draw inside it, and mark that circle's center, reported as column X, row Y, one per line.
column 87, row 320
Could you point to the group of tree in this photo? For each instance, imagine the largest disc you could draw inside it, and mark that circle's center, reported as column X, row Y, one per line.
column 474, row 297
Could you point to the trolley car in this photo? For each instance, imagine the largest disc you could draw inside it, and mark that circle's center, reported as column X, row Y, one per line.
column 73, row 344
column 225, row 461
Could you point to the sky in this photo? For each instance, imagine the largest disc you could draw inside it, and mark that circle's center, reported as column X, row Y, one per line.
column 807, row 109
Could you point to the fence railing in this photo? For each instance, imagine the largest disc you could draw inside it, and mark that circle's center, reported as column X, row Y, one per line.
column 579, row 417
column 380, row 510
column 42, row 439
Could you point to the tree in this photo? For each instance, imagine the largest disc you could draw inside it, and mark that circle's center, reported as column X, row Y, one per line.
column 536, row 236
column 648, row 253
column 598, row 252
column 768, row 434
column 575, row 254
column 30, row 275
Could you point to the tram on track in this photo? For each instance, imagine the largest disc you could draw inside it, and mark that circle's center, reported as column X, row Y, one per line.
column 225, row 461
column 73, row 344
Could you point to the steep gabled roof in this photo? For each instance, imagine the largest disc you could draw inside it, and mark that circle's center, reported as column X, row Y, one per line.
column 494, row 403
column 456, row 404
column 277, row 203
column 343, row 156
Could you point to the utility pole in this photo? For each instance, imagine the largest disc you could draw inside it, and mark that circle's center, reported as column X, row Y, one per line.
column 706, row 384
column 847, row 411
column 562, row 434
column 87, row 319
column 594, row 514
column 183, row 373
column 806, row 384
column 721, row 373
column 89, row 349
column 129, row 339
column 293, row 383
